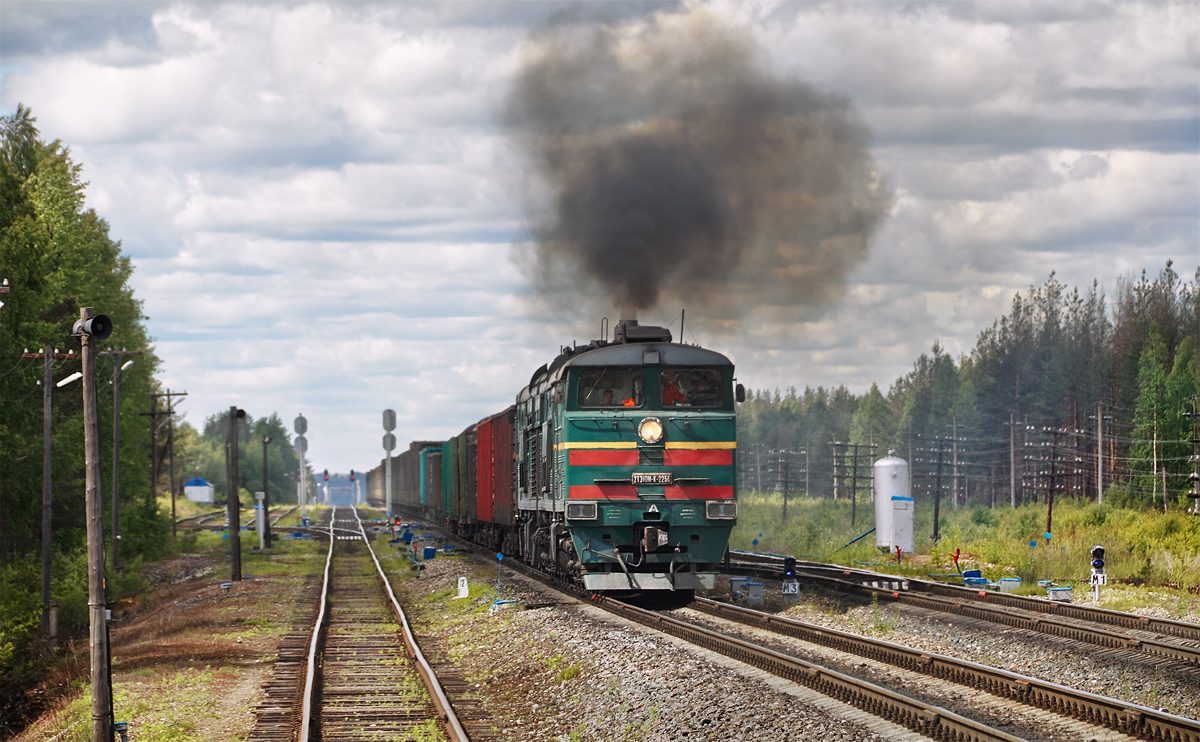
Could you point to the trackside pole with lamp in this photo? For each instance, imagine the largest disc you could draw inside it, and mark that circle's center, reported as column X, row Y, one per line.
column 90, row 328
column 1099, row 576
column 233, row 503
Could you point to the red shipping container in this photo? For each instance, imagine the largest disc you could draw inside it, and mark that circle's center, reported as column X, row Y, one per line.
column 484, row 472
column 504, row 495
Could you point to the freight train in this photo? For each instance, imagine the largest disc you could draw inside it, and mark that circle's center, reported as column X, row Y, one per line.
column 614, row 468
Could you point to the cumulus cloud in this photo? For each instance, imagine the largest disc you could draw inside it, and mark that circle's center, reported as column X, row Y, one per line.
column 322, row 209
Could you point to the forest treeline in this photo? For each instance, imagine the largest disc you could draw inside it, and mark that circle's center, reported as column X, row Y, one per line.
column 1067, row 392
column 56, row 256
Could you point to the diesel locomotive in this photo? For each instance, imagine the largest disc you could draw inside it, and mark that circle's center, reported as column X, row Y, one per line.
column 614, row 468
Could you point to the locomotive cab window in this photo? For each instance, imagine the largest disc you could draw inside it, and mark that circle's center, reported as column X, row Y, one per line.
column 611, row 387
column 691, row 387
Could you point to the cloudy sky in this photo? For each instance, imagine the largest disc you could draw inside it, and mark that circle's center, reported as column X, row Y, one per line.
column 329, row 214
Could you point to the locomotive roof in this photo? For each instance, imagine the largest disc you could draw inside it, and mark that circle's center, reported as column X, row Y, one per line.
column 623, row 353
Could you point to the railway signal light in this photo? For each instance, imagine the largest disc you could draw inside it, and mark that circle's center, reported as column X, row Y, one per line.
column 789, row 566
column 326, row 475
column 1098, row 575
column 351, row 475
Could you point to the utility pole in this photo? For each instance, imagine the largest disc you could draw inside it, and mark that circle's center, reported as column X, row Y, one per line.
column 1194, row 493
column 758, row 465
column 118, row 367
column 266, row 496
column 807, row 469
column 954, row 436
column 837, row 455
column 937, row 491
column 853, row 484
column 1100, row 450
column 91, row 328
column 787, row 478
column 154, row 414
column 48, row 355
column 1012, row 459
column 232, row 501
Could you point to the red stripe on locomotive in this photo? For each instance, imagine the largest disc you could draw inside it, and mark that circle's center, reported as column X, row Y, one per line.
column 603, row 492
column 703, row 457
column 698, row 492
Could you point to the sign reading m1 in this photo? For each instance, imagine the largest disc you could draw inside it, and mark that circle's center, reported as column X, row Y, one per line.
column 654, row 477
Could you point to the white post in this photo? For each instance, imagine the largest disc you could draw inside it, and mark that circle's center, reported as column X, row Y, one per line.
column 260, row 520
column 388, row 486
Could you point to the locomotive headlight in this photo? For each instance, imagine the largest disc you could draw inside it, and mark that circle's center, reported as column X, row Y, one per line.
column 650, row 430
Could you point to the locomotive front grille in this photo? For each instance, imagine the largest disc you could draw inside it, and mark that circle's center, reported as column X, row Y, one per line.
column 652, row 456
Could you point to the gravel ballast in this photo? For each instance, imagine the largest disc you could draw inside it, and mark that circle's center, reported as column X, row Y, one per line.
column 569, row 671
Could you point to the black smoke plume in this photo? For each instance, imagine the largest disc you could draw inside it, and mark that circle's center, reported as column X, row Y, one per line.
column 672, row 167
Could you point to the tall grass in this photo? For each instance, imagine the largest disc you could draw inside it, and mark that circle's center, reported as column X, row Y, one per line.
column 1141, row 545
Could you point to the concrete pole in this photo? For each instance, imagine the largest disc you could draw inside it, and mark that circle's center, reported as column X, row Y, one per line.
column 303, row 485
column 47, row 501
column 171, row 450
column 388, row 485
column 97, row 608
column 1099, row 458
column 232, row 503
column 116, row 475
column 1012, row 460
column 266, row 497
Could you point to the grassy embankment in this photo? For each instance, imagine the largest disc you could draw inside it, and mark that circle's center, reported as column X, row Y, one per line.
column 188, row 658
column 1144, row 546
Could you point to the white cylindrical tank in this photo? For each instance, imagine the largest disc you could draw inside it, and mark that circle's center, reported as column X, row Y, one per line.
column 893, row 505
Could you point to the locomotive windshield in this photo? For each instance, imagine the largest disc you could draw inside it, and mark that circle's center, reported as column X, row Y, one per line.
column 691, row 387
column 611, row 387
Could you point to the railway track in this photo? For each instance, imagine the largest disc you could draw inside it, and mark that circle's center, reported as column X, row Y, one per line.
column 364, row 677
column 1110, row 713
column 202, row 521
column 1176, row 640
column 927, row 719
column 1127, row 720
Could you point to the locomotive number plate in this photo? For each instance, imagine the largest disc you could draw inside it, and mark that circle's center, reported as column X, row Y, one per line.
column 656, row 477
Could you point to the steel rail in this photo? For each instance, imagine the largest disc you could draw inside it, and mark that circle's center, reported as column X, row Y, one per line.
column 1095, row 614
column 1045, row 616
column 311, row 671
column 932, row 721
column 1121, row 716
column 454, row 728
